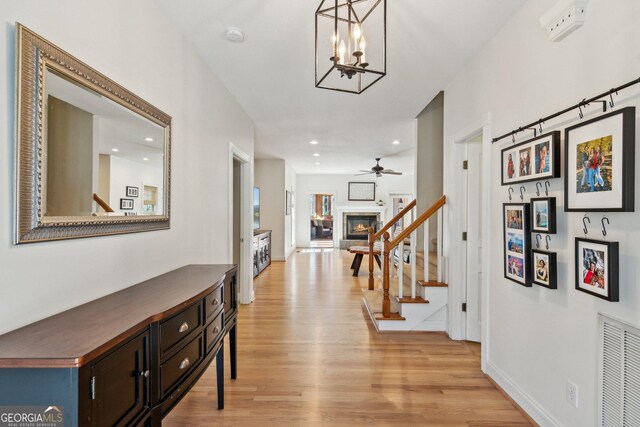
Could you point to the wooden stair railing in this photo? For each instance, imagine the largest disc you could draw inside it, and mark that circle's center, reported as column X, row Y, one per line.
column 399, row 240
column 373, row 237
column 104, row 205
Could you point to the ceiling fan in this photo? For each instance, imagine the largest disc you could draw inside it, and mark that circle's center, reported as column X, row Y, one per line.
column 379, row 170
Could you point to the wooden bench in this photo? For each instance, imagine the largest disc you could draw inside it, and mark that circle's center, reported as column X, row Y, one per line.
column 360, row 252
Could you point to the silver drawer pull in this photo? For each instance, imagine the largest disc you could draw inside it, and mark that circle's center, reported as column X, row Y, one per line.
column 184, row 363
column 144, row 374
column 183, row 327
column 216, row 330
column 215, row 302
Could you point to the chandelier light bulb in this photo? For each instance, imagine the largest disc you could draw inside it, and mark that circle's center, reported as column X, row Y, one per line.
column 341, row 50
column 356, row 34
column 363, row 46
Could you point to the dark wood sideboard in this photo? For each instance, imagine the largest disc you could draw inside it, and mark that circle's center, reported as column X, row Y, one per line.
column 129, row 357
column 261, row 250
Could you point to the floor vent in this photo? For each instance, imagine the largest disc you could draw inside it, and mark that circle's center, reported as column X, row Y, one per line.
column 619, row 374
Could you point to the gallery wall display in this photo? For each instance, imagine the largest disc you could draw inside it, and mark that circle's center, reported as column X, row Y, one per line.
column 599, row 156
column 597, row 268
column 287, row 202
column 534, row 159
column 517, row 243
column 362, row 191
column 545, row 268
column 543, row 215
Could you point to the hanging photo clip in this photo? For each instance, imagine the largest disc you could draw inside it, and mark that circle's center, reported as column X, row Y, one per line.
column 538, row 237
column 547, row 238
column 538, row 189
column 547, row 184
column 585, row 219
column 522, row 188
column 510, row 190
column 604, row 229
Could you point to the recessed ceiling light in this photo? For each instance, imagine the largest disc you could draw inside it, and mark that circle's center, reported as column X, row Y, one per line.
column 148, row 139
column 145, row 158
column 317, row 163
column 316, row 154
column 234, row 35
column 396, row 142
column 314, row 142
column 115, row 150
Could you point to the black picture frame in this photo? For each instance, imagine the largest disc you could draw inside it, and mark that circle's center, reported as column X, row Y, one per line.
column 620, row 199
column 551, row 268
column 607, row 259
column 132, row 191
column 256, row 208
column 126, row 204
column 533, row 144
column 550, row 203
column 517, row 243
column 362, row 191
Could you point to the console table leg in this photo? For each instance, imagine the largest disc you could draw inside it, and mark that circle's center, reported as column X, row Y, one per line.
column 232, row 350
column 220, row 376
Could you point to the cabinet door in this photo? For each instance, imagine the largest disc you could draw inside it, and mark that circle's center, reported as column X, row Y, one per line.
column 230, row 292
column 120, row 384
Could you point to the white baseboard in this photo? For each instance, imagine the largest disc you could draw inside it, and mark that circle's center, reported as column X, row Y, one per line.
column 291, row 251
column 526, row 402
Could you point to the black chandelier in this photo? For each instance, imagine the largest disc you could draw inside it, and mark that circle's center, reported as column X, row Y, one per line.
column 345, row 60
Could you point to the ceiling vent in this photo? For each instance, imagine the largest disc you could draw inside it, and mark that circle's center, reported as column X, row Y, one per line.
column 564, row 18
column 619, row 388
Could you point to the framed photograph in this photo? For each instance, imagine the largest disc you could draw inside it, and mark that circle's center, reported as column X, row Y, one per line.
column 597, row 268
column 517, row 243
column 531, row 160
column 599, row 157
column 543, row 215
column 545, row 268
column 126, row 204
column 362, row 191
column 132, row 191
column 287, row 202
column 256, row 208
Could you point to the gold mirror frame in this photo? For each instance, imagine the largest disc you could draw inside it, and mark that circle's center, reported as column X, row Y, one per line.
column 33, row 55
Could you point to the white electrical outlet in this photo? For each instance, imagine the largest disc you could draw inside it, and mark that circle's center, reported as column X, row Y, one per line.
column 572, row 393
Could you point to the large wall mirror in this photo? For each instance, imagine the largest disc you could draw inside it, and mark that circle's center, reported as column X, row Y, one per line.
column 92, row 158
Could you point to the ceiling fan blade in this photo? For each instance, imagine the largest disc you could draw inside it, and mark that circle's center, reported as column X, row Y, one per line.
column 390, row 172
column 369, row 171
column 366, row 173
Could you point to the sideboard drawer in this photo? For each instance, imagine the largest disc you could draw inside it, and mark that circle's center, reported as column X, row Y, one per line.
column 178, row 327
column 180, row 364
column 214, row 332
column 213, row 302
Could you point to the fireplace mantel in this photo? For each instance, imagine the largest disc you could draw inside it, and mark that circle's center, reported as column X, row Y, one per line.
column 340, row 210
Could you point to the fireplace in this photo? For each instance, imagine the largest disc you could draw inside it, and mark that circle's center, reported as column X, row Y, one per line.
column 356, row 225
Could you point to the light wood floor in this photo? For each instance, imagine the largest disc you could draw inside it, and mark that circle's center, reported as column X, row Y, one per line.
column 308, row 355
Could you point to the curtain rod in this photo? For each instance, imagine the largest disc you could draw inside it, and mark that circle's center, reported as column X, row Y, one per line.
column 578, row 106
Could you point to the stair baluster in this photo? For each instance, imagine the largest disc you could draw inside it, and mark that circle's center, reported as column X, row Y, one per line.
column 386, row 301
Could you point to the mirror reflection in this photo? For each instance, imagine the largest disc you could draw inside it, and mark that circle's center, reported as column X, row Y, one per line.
column 99, row 158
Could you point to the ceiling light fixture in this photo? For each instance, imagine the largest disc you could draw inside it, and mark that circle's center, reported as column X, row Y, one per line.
column 148, row 139
column 234, row 34
column 145, row 158
column 316, row 154
column 396, row 142
column 317, row 163
column 115, row 150
column 348, row 54
column 314, row 142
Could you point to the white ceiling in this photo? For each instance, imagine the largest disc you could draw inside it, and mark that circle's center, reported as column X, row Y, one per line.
column 271, row 74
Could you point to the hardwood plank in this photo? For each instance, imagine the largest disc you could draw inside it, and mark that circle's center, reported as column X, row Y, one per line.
column 309, row 355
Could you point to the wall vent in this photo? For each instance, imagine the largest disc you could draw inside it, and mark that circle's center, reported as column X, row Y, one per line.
column 619, row 388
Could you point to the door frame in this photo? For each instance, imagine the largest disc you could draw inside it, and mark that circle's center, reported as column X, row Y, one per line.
column 457, row 294
column 245, row 268
column 336, row 241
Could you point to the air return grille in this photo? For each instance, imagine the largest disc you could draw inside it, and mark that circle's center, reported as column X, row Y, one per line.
column 620, row 374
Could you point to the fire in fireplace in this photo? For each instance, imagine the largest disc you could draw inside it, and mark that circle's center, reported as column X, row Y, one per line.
column 357, row 226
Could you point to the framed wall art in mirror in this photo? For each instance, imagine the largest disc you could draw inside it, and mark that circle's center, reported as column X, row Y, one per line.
column 83, row 142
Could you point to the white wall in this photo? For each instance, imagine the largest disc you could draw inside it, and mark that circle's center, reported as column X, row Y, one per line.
column 269, row 176
column 339, row 185
column 134, row 44
column 289, row 221
column 539, row 338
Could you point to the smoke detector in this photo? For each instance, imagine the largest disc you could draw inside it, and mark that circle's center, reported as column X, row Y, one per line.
column 234, row 35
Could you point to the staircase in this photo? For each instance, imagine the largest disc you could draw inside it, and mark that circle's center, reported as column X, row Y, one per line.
column 413, row 296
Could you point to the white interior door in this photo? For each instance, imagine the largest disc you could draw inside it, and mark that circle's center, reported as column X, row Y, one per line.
column 474, row 241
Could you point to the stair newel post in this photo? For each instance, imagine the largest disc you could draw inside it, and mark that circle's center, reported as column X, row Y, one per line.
column 386, row 301
column 371, row 244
